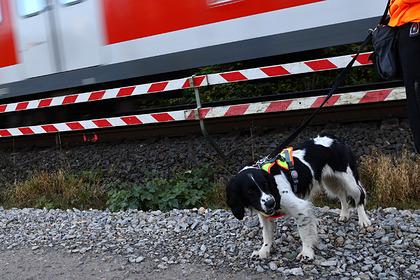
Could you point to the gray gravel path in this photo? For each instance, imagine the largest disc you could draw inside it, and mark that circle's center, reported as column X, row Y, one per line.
column 44, row 263
column 200, row 244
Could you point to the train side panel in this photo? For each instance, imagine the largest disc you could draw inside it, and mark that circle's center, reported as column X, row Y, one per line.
column 136, row 30
column 138, row 19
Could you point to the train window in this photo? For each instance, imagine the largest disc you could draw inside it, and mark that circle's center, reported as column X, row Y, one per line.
column 1, row 15
column 30, row 8
column 70, row 2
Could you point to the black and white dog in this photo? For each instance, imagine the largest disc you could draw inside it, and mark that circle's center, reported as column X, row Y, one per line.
column 323, row 163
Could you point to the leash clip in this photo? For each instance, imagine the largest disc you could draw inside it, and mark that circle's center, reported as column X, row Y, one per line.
column 263, row 161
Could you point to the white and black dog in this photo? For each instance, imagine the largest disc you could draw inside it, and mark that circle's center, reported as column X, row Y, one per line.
column 321, row 163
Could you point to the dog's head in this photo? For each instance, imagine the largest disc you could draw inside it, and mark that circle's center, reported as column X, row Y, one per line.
column 253, row 188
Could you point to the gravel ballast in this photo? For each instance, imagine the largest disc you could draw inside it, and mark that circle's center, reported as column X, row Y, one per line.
column 179, row 243
column 132, row 161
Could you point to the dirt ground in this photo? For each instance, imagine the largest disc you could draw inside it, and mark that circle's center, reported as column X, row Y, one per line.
column 31, row 264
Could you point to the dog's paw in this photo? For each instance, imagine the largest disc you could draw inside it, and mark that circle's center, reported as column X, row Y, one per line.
column 364, row 222
column 306, row 255
column 344, row 217
column 263, row 253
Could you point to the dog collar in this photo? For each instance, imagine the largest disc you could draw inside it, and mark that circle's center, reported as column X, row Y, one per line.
column 278, row 216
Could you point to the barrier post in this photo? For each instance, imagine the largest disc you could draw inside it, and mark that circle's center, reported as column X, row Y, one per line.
column 201, row 120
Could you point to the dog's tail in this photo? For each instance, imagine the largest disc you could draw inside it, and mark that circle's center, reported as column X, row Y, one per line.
column 362, row 196
column 359, row 199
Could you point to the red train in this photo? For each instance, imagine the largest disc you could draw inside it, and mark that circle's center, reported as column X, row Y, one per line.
column 50, row 45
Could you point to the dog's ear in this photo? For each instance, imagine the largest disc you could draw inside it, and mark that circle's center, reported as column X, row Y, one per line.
column 235, row 200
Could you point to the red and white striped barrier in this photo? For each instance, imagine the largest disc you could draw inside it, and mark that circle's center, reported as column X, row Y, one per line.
column 199, row 81
column 213, row 112
column 94, row 124
column 300, row 103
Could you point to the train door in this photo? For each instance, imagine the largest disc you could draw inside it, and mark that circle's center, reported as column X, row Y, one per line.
column 57, row 35
column 35, row 44
column 79, row 32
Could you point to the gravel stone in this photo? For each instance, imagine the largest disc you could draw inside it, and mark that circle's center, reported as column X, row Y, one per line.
column 382, row 275
column 273, row 266
column 203, row 248
column 139, row 259
column 314, row 271
column 339, row 241
column 329, row 263
column 296, row 271
column 398, row 242
column 413, row 267
column 219, row 241
column 377, row 268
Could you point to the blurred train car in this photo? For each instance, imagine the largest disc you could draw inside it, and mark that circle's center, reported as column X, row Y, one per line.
column 48, row 45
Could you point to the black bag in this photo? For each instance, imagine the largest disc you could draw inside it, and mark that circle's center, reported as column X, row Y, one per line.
column 385, row 49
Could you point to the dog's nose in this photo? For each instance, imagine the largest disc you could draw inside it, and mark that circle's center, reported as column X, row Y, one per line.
column 270, row 203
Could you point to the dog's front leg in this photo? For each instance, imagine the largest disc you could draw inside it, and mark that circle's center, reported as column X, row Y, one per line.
column 268, row 233
column 301, row 210
column 307, row 227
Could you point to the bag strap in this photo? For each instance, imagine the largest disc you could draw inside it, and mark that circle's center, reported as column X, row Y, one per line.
column 383, row 20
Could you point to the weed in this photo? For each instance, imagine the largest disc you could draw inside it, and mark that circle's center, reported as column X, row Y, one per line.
column 58, row 189
column 184, row 190
column 391, row 180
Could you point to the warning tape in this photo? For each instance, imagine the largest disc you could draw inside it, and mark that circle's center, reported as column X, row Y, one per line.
column 199, row 81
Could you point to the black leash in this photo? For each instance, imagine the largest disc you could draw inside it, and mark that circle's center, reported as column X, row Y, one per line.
column 274, row 154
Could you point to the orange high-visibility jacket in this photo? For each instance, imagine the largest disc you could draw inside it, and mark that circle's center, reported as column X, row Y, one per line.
column 404, row 11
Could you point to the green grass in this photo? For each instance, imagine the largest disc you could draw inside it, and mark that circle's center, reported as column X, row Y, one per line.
column 189, row 189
